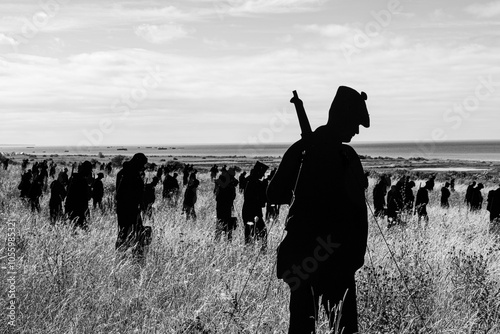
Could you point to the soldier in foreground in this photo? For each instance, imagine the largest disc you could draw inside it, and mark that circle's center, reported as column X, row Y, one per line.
column 327, row 226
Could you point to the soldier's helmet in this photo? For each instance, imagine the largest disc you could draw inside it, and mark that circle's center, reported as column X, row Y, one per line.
column 349, row 105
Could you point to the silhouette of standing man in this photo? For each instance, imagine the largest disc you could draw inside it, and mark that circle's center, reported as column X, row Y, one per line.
column 327, row 225
column 129, row 196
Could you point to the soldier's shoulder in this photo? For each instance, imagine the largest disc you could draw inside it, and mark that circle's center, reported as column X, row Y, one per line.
column 349, row 150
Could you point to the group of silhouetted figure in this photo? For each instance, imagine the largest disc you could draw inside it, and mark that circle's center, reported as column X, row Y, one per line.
column 400, row 200
column 71, row 192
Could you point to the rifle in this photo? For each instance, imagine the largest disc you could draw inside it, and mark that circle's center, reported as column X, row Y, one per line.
column 306, row 134
column 305, row 127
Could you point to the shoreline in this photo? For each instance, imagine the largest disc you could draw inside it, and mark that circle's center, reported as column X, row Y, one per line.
column 376, row 164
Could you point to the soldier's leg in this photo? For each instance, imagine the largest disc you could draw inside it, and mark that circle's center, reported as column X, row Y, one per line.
column 342, row 288
column 303, row 309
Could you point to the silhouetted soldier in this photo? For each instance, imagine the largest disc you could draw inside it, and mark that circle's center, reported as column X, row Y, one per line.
column 129, row 197
column 272, row 210
column 242, row 181
column 468, row 193
column 35, row 192
column 327, row 226
column 24, row 164
column 394, row 204
column 494, row 208
column 109, row 168
column 159, row 173
column 5, row 163
column 119, row 175
column 213, row 172
column 422, row 200
column 408, row 197
column 98, row 191
column 149, row 197
column 63, row 177
column 25, row 184
column 445, row 195
column 476, row 200
column 254, row 199
column 171, row 188
column 379, row 192
column 225, row 193
column 185, row 174
column 52, row 170
column 57, row 195
column 190, row 196
column 78, row 196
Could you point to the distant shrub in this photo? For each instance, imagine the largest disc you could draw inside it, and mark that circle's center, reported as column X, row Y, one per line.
column 117, row 160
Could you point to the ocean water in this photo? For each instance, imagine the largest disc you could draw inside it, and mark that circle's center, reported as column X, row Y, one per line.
column 465, row 150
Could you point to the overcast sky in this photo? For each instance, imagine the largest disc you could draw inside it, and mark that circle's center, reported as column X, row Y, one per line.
column 105, row 72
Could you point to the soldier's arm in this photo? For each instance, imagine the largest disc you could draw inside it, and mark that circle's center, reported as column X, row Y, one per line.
column 280, row 189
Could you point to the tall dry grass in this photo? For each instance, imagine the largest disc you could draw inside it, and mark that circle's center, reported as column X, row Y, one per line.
column 440, row 278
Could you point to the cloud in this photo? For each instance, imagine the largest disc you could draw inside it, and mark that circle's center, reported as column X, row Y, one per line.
column 329, row 30
column 6, row 40
column 254, row 7
column 487, row 10
column 159, row 34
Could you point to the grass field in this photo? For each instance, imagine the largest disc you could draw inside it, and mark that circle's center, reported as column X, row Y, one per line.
column 443, row 278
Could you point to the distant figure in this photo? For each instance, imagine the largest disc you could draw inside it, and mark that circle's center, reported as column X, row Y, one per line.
column 254, row 199
column 468, row 194
column 242, row 182
column 272, row 210
column 422, row 200
column 213, row 172
column 149, row 197
column 98, row 191
column 394, row 203
column 476, row 201
column 445, row 195
column 35, row 192
column 78, row 196
column 25, row 184
column 109, row 168
column 408, row 197
column 171, row 188
column 185, row 174
column 57, row 195
column 24, row 164
column 225, row 193
column 452, row 185
column 5, row 163
column 159, row 173
column 129, row 196
column 327, row 225
column 494, row 207
column 379, row 192
column 52, row 170
column 190, row 196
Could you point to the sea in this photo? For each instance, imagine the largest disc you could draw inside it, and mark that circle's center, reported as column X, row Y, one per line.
column 449, row 150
